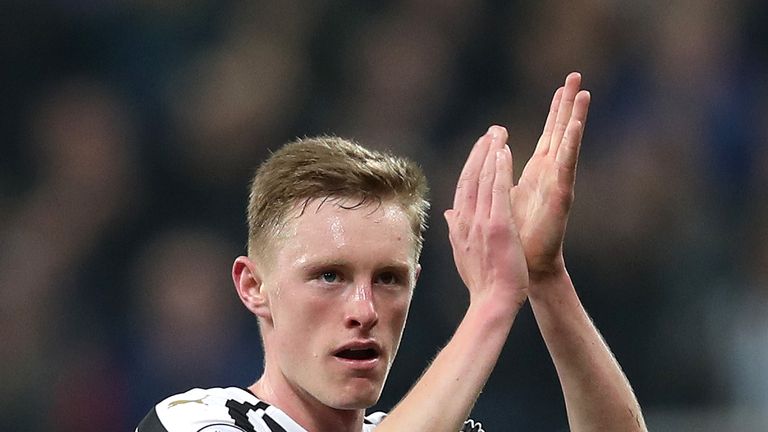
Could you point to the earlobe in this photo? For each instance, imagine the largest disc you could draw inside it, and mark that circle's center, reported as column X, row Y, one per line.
column 250, row 287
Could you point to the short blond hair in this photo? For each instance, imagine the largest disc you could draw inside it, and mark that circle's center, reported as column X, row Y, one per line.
column 329, row 167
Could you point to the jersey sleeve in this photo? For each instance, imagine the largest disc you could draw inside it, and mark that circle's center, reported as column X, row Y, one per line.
column 231, row 409
column 201, row 410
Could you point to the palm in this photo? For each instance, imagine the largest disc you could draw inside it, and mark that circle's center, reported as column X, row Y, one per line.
column 542, row 198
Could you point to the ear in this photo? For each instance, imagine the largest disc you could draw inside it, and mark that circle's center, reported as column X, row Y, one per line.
column 416, row 274
column 250, row 287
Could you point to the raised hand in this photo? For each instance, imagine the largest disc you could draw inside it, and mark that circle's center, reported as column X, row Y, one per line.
column 508, row 243
column 486, row 246
column 543, row 196
column 491, row 262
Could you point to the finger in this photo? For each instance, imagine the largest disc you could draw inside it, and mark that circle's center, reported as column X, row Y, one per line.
column 512, row 167
column 448, row 215
column 546, row 135
column 501, row 207
column 485, row 185
column 581, row 106
column 499, row 136
column 485, row 182
column 568, row 156
column 466, row 189
column 568, row 153
column 572, row 84
column 454, row 236
column 449, row 218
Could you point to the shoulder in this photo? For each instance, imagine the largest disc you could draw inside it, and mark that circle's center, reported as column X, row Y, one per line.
column 372, row 420
column 229, row 409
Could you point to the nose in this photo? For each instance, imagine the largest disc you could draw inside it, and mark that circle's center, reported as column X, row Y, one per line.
column 361, row 311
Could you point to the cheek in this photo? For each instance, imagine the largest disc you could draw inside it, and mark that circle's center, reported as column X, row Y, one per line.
column 397, row 311
column 300, row 316
column 300, row 329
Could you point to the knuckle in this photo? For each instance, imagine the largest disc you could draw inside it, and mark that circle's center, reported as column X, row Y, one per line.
column 497, row 231
column 462, row 225
column 466, row 177
column 564, row 201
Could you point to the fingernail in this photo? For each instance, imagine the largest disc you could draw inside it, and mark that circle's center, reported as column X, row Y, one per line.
column 494, row 132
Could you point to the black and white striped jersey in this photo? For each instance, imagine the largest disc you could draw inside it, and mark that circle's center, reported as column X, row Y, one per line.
column 233, row 409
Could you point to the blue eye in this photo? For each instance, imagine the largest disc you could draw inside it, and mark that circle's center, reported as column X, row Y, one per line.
column 329, row 277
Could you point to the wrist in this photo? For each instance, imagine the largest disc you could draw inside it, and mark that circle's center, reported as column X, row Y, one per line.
column 498, row 309
column 549, row 270
column 544, row 284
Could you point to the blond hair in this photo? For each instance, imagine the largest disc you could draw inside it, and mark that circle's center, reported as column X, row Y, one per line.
column 328, row 167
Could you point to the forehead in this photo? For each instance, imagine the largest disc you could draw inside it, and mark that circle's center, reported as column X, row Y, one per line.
column 336, row 227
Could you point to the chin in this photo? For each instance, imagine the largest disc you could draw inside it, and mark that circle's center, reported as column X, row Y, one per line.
column 355, row 400
column 360, row 404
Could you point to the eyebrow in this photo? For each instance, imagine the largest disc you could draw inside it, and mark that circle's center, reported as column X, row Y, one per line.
column 315, row 265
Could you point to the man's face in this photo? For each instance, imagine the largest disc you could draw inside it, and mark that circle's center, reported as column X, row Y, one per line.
column 339, row 289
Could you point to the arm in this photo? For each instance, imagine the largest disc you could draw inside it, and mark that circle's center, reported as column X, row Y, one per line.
column 490, row 260
column 597, row 394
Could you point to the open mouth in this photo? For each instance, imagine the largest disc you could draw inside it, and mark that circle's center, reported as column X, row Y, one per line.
column 358, row 354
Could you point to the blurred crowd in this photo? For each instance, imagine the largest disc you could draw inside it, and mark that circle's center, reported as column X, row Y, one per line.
column 129, row 130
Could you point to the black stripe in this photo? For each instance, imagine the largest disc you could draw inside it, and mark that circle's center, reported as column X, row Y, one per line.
column 239, row 413
column 273, row 426
column 151, row 423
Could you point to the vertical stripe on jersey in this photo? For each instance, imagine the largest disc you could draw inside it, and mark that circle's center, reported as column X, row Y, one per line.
column 239, row 413
column 273, row 426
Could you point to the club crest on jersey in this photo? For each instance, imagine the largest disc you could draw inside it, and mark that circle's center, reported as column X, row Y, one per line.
column 221, row 428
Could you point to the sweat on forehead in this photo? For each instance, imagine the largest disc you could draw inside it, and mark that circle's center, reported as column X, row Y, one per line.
column 325, row 168
column 331, row 211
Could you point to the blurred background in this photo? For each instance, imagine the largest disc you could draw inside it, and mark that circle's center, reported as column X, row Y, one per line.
column 129, row 130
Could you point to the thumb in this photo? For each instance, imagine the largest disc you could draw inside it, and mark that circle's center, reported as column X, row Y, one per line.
column 449, row 215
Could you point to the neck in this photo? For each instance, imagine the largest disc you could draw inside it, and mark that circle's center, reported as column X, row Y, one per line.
column 304, row 409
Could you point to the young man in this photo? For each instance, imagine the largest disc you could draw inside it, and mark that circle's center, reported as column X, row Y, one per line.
column 335, row 234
